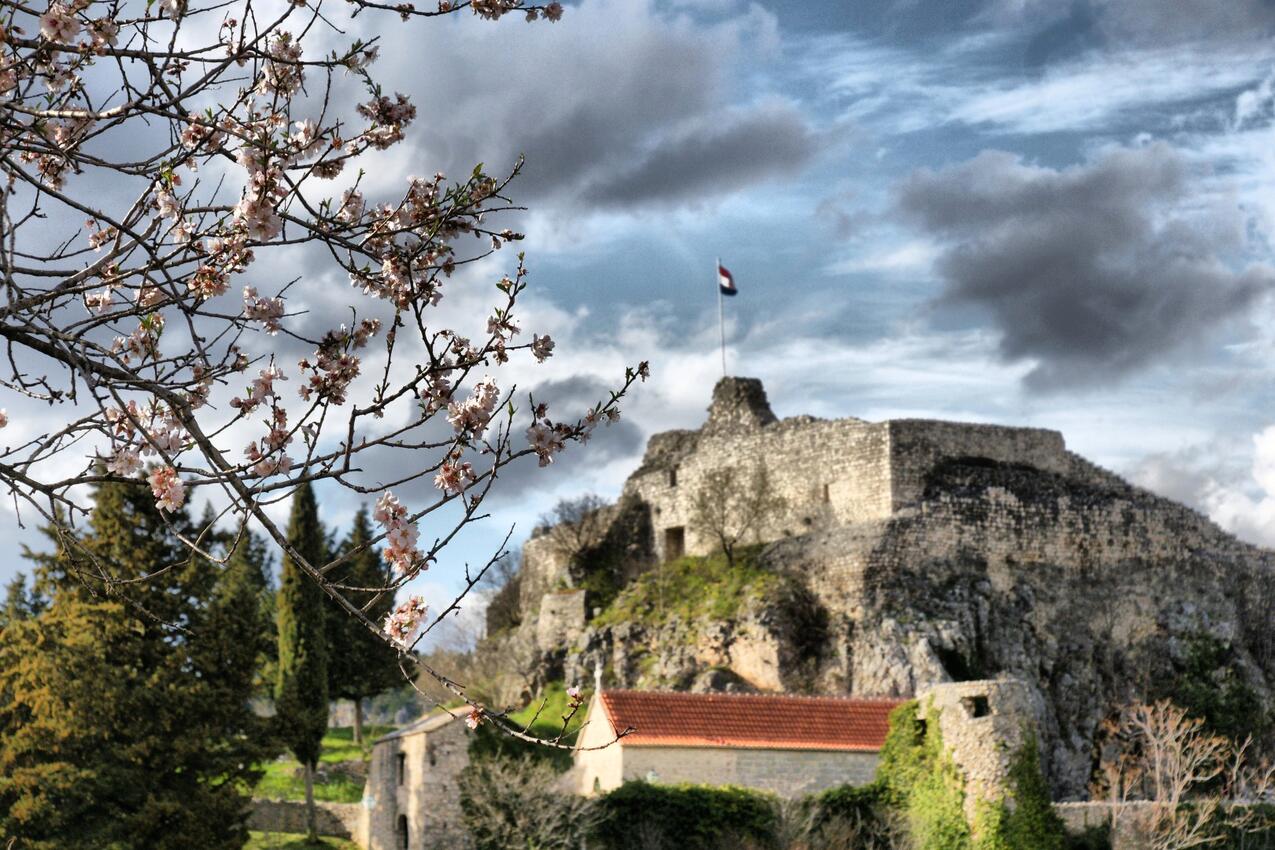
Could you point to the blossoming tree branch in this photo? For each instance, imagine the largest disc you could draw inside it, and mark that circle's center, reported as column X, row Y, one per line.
column 162, row 162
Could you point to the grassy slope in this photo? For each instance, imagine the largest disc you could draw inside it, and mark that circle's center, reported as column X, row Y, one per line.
column 280, row 781
column 288, row 841
column 692, row 588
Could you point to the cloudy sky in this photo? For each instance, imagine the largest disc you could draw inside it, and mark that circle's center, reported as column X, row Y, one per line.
column 1033, row 213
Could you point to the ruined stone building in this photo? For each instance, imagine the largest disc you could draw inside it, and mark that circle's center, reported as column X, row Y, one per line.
column 411, row 800
column 912, row 553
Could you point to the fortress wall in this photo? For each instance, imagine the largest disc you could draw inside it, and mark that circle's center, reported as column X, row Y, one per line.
column 543, row 567
column 802, row 456
column 915, row 445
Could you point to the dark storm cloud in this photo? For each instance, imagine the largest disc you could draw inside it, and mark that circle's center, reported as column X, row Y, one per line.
column 716, row 157
column 620, row 103
column 1089, row 271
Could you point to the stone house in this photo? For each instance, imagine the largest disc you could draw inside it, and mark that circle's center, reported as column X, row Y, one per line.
column 790, row 745
column 411, row 801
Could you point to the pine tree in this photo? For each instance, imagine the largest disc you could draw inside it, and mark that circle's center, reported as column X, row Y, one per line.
column 124, row 719
column 360, row 664
column 19, row 603
column 301, row 689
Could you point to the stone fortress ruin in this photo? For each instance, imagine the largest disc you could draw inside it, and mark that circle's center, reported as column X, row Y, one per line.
column 922, row 553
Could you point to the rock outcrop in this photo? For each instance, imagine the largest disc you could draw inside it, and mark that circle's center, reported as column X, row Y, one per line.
column 916, row 553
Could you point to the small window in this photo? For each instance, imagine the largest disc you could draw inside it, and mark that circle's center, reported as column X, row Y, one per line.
column 402, row 768
column 674, row 543
column 827, row 496
column 430, row 753
column 672, row 476
column 400, row 833
column 977, row 706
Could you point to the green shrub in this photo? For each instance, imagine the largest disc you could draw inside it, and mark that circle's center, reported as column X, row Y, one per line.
column 1032, row 822
column 690, row 817
column 1093, row 838
column 1210, row 684
column 862, row 810
column 917, row 777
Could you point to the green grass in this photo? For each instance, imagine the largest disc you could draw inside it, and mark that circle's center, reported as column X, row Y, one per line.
column 291, row 841
column 281, row 781
column 489, row 743
column 692, row 588
column 549, row 722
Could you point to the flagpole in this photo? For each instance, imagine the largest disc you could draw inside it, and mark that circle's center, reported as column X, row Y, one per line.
column 721, row 321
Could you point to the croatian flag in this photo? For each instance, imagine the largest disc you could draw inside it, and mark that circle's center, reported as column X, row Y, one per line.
column 725, row 281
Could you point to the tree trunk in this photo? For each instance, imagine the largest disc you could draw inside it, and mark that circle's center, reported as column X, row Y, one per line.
column 311, row 820
column 358, row 721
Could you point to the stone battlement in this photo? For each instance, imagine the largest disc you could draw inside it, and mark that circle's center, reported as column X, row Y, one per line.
column 830, row 472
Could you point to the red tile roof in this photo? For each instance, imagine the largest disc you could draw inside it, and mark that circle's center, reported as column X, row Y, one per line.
column 761, row 721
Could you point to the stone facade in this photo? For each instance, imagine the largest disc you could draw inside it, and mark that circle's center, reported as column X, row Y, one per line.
column 411, row 800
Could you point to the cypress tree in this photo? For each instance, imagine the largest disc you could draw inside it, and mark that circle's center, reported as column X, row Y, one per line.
column 360, row 664
column 124, row 717
column 301, row 689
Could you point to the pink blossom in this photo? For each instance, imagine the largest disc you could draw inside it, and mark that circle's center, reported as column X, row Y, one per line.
column 454, row 476
column 474, row 413
column 474, row 717
column 541, row 347
column 404, row 622
column 124, row 462
column 167, row 488
column 59, row 24
column 98, row 302
column 573, row 694
column 400, row 535
column 4, row 417
column 546, row 440
column 267, row 310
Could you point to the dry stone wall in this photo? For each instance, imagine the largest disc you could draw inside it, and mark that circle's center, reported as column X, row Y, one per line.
column 342, row 820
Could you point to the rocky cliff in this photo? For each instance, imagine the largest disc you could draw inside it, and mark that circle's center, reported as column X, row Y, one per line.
column 962, row 552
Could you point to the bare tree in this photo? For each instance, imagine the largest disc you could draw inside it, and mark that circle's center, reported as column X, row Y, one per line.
column 165, row 164
column 517, row 803
column 730, row 506
column 1177, row 786
column 574, row 525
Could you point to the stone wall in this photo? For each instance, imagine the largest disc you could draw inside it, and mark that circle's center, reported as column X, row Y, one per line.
column 788, row 773
column 562, row 618
column 343, row 820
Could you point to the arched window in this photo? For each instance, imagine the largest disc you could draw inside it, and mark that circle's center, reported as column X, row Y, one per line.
column 400, row 833
column 401, row 768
